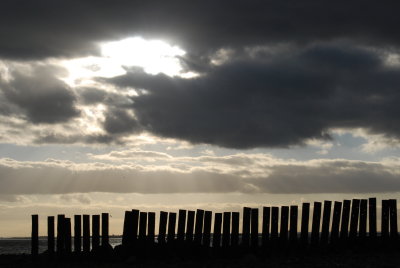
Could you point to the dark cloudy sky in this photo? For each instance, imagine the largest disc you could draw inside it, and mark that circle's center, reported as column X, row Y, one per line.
column 109, row 105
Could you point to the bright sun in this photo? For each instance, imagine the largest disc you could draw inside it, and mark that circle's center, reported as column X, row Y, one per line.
column 154, row 56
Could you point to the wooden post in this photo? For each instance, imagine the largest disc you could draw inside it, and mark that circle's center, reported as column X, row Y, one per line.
column 355, row 211
column 77, row 233
column 95, row 231
column 162, row 227
column 217, row 230
column 127, row 230
column 68, row 240
column 104, row 229
column 305, row 217
column 151, row 226
column 181, row 226
column 190, row 226
column 235, row 229
column 385, row 219
column 344, row 226
column 326, row 218
column 198, row 233
column 35, row 236
column 316, row 222
column 246, row 227
column 86, row 233
column 226, row 229
column 274, row 224
column 372, row 217
column 171, row 227
column 142, row 227
column 254, row 227
column 50, row 235
column 393, row 219
column 134, row 226
column 283, row 237
column 293, row 224
column 207, row 228
column 363, row 218
column 265, row 225
column 60, row 234
column 337, row 210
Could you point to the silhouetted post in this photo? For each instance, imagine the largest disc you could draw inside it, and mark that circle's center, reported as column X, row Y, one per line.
column 171, row 227
column 385, row 219
column 142, row 227
column 355, row 211
column 344, row 227
column 393, row 219
column 372, row 217
column 68, row 240
column 104, row 229
column 162, row 227
column 226, row 229
column 293, row 224
column 337, row 209
column 326, row 218
column 217, row 230
column 151, row 226
column 284, row 224
column 50, row 235
column 246, row 227
column 363, row 218
column 60, row 234
column 316, row 222
column 305, row 217
column 235, row 229
column 181, row 225
column 134, row 226
column 190, row 226
column 207, row 228
column 198, row 231
column 265, row 225
column 86, row 233
column 127, row 230
column 274, row 224
column 254, row 227
column 77, row 233
column 35, row 236
column 95, row 231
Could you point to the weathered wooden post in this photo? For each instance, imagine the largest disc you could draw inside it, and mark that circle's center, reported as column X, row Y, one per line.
column 337, row 210
column 226, row 229
column 235, row 229
column 283, row 237
column 305, row 217
column 316, row 222
column 217, row 230
column 198, row 232
column 135, row 226
column 344, row 226
column 372, row 218
column 207, row 228
column 95, row 231
column 274, row 224
column 151, row 226
column 60, row 234
column 104, row 229
column 393, row 219
column 246, row 227
column 265, row 225
column 363, row 219
column 127, row 229
column 68, row 240
column 293, row 224
column 254, row 227
column 50, row 235
column 77, row 233
column 190, row 226
column 171, row 227
column 355, row 211
column 385, row 220
column 162, row 227
column 35, row 236
column 181, row 226
column 86, row 233
column 142, row 227
column 326, row 218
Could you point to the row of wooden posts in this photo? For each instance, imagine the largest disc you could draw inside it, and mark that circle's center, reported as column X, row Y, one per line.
column 195, row 227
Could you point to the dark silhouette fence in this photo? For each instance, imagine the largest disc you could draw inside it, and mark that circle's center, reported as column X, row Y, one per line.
column 351, row 222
